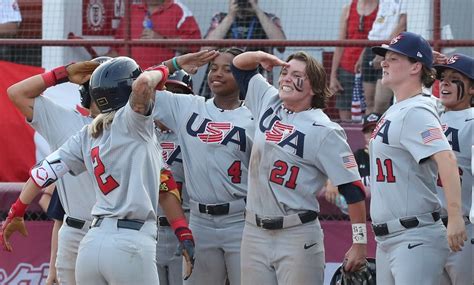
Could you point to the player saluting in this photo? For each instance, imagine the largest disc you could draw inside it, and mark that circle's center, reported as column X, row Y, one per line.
column 119, row 150
column 407, row 150
column 56, row 124
column 456, row 93
column 170, row 266
column 215, row 138
column 296, row 149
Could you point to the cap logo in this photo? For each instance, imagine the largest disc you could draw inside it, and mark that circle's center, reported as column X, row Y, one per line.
column 452, row 59
column 396, row 39
column 418, row 54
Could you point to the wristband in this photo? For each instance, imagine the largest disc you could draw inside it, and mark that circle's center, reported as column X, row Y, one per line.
column 56, row 76
column 179, row 223
column 18, row 208
column 175, row 64
column 359, row 233
column 164, row 70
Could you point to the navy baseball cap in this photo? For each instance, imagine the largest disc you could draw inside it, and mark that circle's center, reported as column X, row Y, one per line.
column 461, row 63
column 370, row 120
column 411, row 45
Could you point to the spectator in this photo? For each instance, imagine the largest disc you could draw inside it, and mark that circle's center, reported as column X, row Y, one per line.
column 355, row 23
column 390, row 21
column 245, row 20
column 363, row 163
column 10, row 19
column 157, row 19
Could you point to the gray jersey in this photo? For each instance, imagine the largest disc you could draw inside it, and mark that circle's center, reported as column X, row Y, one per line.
column 171, row 151
column 293, row 154
column 57, row 124
column 125, row 162
column 457, row 126
column 403, row 178
column 215, row 145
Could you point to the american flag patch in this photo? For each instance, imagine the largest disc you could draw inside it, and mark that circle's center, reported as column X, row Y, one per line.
column 349, row 161
column 431, row 135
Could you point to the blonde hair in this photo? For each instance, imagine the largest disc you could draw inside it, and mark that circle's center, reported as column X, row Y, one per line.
column 100, row 123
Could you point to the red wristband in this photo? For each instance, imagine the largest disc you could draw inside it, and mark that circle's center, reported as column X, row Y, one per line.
column 56, row 76
column 179, row 223
column 164, row 70
column 18, row 208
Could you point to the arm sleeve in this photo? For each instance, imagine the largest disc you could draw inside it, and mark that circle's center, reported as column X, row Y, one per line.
column 55, row 209
column 425, row 137
column 169, row 107
column 242, row 77
column 336, row 159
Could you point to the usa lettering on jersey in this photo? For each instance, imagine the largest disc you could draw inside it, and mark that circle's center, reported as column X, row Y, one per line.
column 284, row 135
column 278, row 132
column 217, row 132
column 381, row 130
column 452, row 135
column 170, row 153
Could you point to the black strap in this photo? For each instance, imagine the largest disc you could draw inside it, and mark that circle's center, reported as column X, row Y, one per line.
column 75, row 223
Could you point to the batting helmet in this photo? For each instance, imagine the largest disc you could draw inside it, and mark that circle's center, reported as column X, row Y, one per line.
column 111, row 83
column 180, row 82
column 364, row 276
column 84, row 88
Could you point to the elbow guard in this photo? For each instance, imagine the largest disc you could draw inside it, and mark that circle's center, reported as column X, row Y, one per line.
column 353, row 192
column 168, row 184
column 47, row 171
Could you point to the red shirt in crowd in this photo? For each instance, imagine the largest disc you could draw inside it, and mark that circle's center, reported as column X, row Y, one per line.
column 358, row 28
column 171, row 20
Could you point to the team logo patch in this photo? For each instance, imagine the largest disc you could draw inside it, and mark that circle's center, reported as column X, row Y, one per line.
column 431, row 135
column 215, row 132
column 452, row 59
column 278, row 132
column 396, row 39
column 418, row 54
column 349, row 161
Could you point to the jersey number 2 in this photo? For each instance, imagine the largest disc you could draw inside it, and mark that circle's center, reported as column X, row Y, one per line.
column 109, row 183
column 280, row 170
column 381, row 177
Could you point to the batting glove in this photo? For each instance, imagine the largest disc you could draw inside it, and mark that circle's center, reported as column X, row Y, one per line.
column 13, row 223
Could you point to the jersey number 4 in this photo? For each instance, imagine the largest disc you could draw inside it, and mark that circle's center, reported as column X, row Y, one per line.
column 279, row 171
column 107, row 183
column 388, row 177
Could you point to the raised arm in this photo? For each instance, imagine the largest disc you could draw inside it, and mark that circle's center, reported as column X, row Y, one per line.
column 143, row 89
column 448, row 172
column 252, row 59
column 23, row 93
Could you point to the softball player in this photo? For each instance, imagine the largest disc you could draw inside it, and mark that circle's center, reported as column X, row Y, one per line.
column 168, row 263
column 215, row 138
column 456, row 93
column 119, row 149
column 407, row 150
column 56, row 124
column 296, row 149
